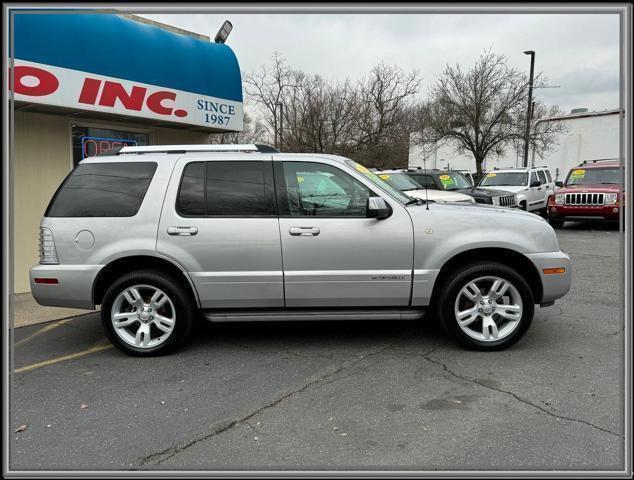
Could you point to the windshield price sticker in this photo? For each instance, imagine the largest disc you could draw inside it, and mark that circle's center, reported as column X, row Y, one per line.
column 491, row 175
column 446, row 180
column 361, row 168
column 578, row 174
column 384, row 177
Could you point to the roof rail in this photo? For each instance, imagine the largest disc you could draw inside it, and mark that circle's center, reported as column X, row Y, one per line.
column 586, row 162
column 198, row 148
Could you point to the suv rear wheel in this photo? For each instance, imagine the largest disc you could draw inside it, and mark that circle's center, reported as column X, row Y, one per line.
column 147, row 313
column 486, row 306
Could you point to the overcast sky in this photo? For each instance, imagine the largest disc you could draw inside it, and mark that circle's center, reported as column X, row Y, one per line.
column 578, row 52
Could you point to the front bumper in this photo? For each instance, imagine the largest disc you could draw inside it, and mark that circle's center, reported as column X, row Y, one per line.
column 554, row 286
column 74, row 287
column 563, row 212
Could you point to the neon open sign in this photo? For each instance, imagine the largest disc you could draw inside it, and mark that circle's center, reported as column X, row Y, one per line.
column 93, row 146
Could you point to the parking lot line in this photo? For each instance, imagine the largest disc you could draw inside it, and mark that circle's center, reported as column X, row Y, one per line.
column 98, row 347
column 45, row 329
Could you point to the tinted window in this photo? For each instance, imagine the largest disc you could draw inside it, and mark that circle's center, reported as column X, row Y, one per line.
column 424, row 180
column 548, row 176
column 232, row 189
column 103, row 190
column 533, row 178
column 314, row 189
column 191, row 196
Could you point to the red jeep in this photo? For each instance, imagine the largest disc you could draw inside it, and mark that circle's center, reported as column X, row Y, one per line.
column 591, row 191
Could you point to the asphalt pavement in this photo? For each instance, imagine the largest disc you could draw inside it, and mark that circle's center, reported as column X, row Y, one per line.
column 335, row 395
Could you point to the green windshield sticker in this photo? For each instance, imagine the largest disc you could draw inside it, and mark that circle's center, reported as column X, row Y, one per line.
column 578, row 174
column 446, row 180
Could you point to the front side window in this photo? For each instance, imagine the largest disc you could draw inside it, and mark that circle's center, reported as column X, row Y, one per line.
column 495, row 179
column 113, row 189
column 228, row 189
column 534, row 178
column 315, row 189
column 374, row 178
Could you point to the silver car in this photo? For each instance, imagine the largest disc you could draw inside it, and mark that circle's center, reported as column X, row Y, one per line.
column 160, row 236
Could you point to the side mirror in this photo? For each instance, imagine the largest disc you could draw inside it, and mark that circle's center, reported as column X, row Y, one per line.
column 559, row 183
column 536, row 183
column 378, row 208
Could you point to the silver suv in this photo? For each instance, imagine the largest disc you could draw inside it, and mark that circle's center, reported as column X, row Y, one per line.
column 159, row 236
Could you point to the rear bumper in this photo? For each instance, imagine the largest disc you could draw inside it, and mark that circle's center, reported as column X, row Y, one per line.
column 554, row 286
column 74, row 287
column 581, row 212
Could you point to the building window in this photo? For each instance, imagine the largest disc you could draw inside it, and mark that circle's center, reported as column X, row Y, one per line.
column 90, row 141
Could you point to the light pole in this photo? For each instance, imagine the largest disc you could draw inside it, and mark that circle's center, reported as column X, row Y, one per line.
column 530, row 106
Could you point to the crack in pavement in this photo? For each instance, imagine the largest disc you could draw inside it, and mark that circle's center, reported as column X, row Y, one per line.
column 173, row 450
column 518, row 398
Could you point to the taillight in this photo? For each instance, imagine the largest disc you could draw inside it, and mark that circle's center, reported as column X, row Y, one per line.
column 48, row 253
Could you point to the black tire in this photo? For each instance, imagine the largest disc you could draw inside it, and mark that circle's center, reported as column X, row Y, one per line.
column 458, row 279
column 524, row 206
column 555, row 222
column 180, row 296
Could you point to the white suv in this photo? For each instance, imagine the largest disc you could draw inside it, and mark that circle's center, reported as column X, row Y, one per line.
column 532, row 186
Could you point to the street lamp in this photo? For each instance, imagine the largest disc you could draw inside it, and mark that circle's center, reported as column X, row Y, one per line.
column 530, row 105
column 223, row 33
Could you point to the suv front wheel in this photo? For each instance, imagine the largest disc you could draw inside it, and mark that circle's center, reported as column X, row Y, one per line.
column 147, row 313
column 486, row 306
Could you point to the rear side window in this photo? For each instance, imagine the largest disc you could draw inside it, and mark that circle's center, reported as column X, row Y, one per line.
column 113, row 189
column 227, row 189
column 542, row 176
column 548, row 176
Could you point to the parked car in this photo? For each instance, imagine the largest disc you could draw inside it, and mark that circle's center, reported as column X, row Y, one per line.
column 160, row 235
column 591, row 191
column 401, row 180
column 532, row 186
column 468, row 175
column 456, row 182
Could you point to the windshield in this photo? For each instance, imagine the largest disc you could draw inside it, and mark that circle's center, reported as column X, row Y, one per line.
column 453, row 181
column 504, row 179
column 582, row 176
column 398, row 180
column 401, row 197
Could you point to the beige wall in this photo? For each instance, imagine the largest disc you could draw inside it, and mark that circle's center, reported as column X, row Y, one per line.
column 42, row 160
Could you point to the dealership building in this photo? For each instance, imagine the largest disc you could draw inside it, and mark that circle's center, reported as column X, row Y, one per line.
column 83, row 83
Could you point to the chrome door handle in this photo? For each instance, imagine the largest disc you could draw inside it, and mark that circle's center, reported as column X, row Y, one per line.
column 182, row 230
column 304, row 231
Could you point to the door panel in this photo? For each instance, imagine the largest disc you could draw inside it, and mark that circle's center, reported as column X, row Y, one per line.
column 234, row 259
column 346, row 259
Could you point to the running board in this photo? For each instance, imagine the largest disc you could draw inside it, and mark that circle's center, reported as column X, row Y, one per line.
column 315, row 314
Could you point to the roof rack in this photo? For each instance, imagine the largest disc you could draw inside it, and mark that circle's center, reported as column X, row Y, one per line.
column 586, row 162
column 193, row 148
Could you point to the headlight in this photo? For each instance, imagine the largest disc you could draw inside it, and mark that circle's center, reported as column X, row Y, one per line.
column 611, row 198
column 560, row 198
column 495, row 200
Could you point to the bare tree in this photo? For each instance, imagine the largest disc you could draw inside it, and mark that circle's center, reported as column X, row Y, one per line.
column 482, row 108
column 253, row 131
column 266, row 88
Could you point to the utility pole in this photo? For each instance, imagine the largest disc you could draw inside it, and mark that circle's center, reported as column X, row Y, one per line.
column 530, row 106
